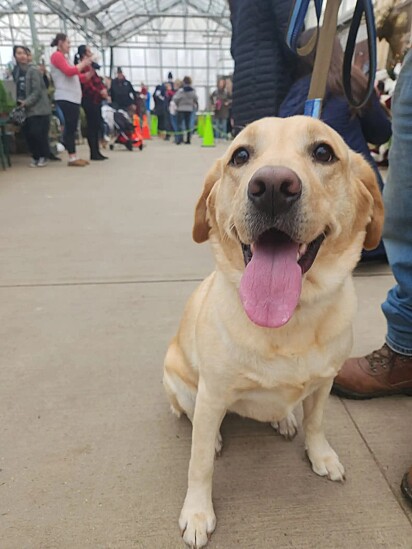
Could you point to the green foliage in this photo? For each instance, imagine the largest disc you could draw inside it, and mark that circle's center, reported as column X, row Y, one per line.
column 6, row 101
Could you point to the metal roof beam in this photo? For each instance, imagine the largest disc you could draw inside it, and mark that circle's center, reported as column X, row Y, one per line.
column 61, row 10
column 97, row 10
column 126, row 35
column 220, row 19
column 149, row 16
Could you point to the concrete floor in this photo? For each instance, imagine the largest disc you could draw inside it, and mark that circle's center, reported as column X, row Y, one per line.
column 96, row 265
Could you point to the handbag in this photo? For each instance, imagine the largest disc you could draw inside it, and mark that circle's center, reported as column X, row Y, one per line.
column 18, row 116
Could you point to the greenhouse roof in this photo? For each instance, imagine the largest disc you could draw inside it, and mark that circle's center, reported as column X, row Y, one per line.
column 114, row 22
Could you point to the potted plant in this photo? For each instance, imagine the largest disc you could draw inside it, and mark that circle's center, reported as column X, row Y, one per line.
column 6, row 102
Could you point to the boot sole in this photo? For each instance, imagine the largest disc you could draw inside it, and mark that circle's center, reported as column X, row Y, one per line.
column 347, row 393
column 406, row 489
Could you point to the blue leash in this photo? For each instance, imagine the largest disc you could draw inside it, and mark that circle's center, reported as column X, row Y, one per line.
column 297, row 21
column 313, row 106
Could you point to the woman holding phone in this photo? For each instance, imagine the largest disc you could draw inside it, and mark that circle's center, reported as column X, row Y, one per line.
column 68, row 92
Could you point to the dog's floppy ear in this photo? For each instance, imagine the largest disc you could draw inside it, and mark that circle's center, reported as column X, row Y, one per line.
column 368, row 179
column 201, row 226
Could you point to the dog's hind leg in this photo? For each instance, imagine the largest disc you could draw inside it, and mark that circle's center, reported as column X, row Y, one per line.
column 287, row 427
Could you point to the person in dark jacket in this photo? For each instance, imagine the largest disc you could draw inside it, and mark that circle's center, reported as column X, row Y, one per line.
column 122, row 92
column 370, row 124
column 94, row 92
column 264, row 65
column 160, row 108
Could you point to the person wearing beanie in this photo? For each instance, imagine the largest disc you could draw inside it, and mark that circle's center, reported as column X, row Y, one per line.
column 122, row 92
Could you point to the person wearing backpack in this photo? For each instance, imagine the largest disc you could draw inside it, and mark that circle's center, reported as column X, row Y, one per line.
column 186, row 102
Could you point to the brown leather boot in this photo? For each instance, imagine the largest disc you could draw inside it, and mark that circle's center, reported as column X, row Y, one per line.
column 381, row 373
column 406, row 485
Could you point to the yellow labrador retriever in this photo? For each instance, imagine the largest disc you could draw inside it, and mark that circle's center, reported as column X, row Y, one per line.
column 287, row 211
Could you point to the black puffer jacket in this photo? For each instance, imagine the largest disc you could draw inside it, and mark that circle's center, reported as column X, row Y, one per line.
column 264, row 66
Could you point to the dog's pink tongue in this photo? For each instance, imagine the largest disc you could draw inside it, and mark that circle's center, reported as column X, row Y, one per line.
column 272, row 282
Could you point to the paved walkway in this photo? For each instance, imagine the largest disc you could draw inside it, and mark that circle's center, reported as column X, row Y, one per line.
column 95, row 267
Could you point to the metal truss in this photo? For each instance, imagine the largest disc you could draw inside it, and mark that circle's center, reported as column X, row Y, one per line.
column 105, row 23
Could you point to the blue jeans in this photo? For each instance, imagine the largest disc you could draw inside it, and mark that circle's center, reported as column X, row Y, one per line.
column 397, row 232
column 173, row 121
column 220, row 127
column 184, row 123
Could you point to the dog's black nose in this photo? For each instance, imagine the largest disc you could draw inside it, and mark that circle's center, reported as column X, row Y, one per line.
column 274, row 189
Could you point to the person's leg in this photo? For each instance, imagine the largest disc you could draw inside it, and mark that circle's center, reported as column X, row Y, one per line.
column 168, row 126
column 161, row 124
column 71, row 117
column 87, row 107
column 44, row 147
column 29, row 134
column 192, row 121
column 188, row 122
column 71, row 112
column 388, row 370
column 219, row 131
column 397, row 233
column 93, row 116
column 216, row 128
column 173, row 120
column 40, row 136
column 180, row 126
column 59, row 113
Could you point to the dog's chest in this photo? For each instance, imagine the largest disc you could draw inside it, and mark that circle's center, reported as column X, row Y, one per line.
column 270, row 390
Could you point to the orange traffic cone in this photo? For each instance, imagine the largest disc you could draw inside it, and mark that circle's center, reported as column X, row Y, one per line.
column 145, row 128
column 137, row 138
column 136, row 123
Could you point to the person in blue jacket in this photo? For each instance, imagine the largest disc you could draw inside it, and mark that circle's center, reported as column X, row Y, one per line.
column 357, row 127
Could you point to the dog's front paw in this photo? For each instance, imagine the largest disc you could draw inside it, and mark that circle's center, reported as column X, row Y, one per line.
column 197, row 524
column 287, row 427
column 326, row 463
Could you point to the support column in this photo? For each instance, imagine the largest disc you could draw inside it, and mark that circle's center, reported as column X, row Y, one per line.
column 36, row 48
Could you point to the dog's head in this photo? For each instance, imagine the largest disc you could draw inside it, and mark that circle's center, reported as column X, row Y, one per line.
column 288, row 209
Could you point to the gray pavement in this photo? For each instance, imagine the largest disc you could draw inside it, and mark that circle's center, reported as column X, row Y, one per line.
column 95, row 267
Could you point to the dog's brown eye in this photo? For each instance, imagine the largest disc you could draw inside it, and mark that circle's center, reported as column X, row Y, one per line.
column 324, row 153
column 240, row 157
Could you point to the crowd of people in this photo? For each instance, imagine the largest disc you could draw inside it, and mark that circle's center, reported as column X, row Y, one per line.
column 176, row 104
column 76, row 84
column 70, row 86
